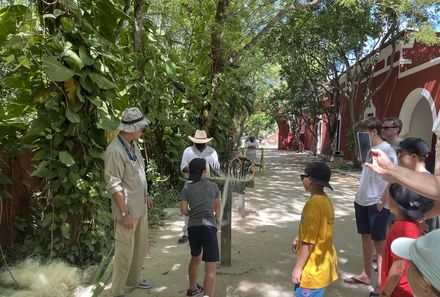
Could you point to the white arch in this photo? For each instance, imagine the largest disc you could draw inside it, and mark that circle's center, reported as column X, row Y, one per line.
column 408, row 108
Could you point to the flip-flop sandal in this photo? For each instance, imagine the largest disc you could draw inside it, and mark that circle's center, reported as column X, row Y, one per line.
column 373, row 294
column 355, row 281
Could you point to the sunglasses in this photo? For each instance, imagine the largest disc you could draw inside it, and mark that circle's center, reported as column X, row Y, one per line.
column 403, row 152
column 304, row 176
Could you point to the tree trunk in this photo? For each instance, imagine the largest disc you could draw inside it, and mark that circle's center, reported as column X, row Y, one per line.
column 218, row 59
column 138, row 29
column 122, row 21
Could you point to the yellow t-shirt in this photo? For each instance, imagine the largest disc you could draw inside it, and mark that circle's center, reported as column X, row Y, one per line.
column 316, row 227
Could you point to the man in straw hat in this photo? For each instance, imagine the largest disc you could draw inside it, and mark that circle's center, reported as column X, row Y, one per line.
column 199, row 149
column 127, row 185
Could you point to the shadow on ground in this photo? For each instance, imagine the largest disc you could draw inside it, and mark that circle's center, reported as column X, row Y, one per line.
column 261, row 241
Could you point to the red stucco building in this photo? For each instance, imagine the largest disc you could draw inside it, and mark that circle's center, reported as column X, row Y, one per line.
column 412, row 93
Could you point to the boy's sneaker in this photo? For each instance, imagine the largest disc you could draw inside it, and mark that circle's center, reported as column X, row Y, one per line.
column 145, row 284
column 196, row 292
column 183, row 239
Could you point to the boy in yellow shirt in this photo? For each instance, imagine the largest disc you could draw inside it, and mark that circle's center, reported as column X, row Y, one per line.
column 316, row 263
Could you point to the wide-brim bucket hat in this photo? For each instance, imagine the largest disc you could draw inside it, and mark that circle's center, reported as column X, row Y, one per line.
column 132, row 120
column 200, row 137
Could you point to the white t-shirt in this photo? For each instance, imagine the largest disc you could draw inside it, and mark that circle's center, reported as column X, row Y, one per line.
column 209, row 154
column 372, row 185
column 250, row 143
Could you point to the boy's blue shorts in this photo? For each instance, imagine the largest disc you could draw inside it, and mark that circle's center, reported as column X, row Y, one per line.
column 204, row 238
column 371, row 221
column 301, row 292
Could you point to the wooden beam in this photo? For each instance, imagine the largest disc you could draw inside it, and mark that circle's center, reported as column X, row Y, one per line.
column 226, row 231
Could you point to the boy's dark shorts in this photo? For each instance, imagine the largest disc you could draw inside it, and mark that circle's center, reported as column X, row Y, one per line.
column 204, row 238
column 371, row 221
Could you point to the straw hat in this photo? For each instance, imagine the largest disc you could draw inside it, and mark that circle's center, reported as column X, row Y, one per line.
column 200, row 137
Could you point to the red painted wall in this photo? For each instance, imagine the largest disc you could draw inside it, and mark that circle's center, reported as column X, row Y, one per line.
column 389, row 100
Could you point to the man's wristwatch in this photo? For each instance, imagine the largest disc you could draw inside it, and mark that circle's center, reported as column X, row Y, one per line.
column 125, row 213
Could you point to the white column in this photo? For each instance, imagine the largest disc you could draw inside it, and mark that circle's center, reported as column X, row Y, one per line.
column 437, row 154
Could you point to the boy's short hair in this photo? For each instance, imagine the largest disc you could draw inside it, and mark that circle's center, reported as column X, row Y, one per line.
column 409, row 202
column 416, row 146
column 396, row 122
column 423, row 253
column 369, row 124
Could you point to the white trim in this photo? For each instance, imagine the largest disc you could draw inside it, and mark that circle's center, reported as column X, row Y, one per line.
column 420, row 67
column 386, row 53
column 408, row 108
column 338, row 143
column 319, row 136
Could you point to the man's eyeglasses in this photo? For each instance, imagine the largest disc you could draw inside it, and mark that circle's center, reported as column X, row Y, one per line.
column 304, row 176
column 388, row 127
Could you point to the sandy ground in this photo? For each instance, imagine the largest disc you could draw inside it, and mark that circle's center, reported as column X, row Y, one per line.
column 261, row 256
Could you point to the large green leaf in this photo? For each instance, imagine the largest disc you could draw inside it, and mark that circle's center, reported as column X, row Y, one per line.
column 85, row 57
column 43, row 172
column 68, row 24
column 72, row 116
column 66, row 158
column 55, row 70
column 101, row 81
column 96, row 153
column 10, row 16
column 170, row 68
column 108, row 124
column 73, row 59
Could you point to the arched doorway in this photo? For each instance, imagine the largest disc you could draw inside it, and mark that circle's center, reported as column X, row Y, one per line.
column 418, row 114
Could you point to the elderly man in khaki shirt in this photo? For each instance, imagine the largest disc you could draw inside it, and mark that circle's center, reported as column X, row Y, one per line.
column 127, row 184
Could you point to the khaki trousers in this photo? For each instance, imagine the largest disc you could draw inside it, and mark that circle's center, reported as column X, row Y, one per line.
column 130, row 251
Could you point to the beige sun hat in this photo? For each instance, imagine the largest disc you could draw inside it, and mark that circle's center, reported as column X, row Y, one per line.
column 132, row 120
column 200, row 137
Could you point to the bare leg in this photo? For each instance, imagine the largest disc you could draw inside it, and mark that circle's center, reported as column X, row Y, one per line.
column 193, row 269
column 380, row 248
column 210, row 276
column 367, row 252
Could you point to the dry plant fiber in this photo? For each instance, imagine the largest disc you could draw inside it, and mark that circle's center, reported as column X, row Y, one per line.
column 53, row 279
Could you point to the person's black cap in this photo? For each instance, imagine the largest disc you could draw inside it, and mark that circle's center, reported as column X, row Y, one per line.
column 415, row 145
column 196, row 167
column 319, row 173
column 409, row 202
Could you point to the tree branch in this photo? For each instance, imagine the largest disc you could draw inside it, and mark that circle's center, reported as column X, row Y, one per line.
column 234, row 57
column 122, row 20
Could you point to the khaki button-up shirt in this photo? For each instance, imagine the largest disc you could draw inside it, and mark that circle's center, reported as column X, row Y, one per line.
column 124, row 175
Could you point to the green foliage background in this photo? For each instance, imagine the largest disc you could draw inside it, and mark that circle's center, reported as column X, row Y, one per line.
column 68, row 69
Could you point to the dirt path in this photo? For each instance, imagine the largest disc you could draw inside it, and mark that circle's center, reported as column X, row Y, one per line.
column 261, row 257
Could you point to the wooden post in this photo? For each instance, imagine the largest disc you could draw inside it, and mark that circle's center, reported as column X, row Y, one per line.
column 225, row 254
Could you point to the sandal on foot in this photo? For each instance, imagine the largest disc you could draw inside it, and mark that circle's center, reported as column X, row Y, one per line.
column 355, row 281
